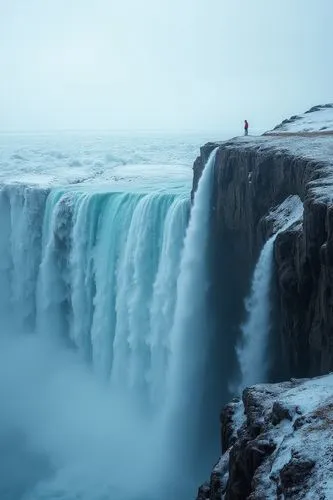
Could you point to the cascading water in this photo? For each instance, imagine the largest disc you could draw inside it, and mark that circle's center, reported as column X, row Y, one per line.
column 105, row 282
column 252, row 351
column 190, row 330
column 21, row 217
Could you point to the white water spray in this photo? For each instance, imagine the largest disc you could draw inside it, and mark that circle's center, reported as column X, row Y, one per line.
column 252, row 351
column 101, row 270
column 190, row 332
column 94, row 287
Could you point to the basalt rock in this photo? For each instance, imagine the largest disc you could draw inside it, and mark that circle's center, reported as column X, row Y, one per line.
column 252, row 176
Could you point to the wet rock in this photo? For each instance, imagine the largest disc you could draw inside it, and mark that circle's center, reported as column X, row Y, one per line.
column 204, row 492
column 228, row 431
column 294, row 476
column 280, row 412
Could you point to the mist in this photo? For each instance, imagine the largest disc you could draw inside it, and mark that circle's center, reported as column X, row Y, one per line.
column 63, row 432
column 167, row 65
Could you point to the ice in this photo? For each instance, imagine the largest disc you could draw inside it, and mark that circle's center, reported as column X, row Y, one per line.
column 100, row 160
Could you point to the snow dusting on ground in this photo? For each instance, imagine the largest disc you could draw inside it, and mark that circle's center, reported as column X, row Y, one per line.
column 317, row 119
column 307, row 438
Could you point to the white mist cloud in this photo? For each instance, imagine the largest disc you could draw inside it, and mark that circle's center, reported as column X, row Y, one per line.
column 64, row 434
column 167, row 64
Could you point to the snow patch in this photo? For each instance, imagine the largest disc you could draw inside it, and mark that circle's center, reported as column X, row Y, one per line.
column 307, row 438
column 289, row 211
column 317, row 119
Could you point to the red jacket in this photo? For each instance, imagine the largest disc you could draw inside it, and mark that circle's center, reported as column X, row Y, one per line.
column 246, row 126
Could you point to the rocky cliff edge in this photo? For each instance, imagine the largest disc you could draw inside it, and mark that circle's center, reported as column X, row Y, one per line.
column 252, row 176
column 277, row 443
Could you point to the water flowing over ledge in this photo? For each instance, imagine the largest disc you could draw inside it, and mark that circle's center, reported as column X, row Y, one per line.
column 113, row 283
column 253, row 350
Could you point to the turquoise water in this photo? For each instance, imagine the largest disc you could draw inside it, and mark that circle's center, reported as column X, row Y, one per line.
column 103, row 316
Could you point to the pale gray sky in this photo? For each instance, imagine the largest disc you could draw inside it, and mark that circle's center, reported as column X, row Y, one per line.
column 162, row 64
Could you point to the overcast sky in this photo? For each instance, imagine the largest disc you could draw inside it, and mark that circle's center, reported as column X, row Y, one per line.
column 162, row 64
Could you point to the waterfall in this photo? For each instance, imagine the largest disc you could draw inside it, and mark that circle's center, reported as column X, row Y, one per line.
column 22, row 210
column 190, row 331
column 103, row 273
column 107, row 281
column 252, row 350
column 164, row 299
column 252, row 353
column 112, row 289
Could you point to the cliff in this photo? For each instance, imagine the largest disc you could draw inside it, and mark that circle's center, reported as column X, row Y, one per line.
column 253, row 175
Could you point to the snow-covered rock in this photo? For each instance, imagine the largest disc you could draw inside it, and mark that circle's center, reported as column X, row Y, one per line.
column 282, row 448
column 317, row 119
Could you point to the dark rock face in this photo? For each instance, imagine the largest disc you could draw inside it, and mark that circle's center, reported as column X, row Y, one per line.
column 263, row 455
column 305, row 278
column 252, row 177
column 280, row 412
column 293, row 474
column 228, row 435
column 216, row 487
column 204, row 492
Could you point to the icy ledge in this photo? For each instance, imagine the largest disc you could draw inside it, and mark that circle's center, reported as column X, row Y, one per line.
column 277, row 443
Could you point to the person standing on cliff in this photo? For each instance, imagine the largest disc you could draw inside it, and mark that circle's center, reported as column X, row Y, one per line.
column 246, row 127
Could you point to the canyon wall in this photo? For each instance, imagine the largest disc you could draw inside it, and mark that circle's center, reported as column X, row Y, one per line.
column 252, row 176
